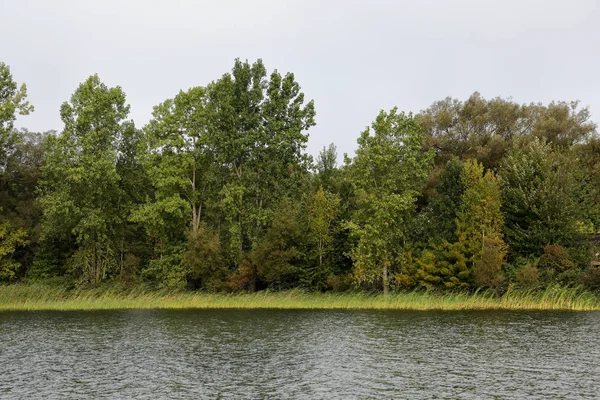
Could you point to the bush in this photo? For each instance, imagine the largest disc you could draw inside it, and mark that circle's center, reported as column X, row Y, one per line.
column 203, row 262
column 166, row 272
column 555, row 258
column 528, row 277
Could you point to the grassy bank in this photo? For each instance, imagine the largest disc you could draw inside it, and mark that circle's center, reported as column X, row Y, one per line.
column 44, row 297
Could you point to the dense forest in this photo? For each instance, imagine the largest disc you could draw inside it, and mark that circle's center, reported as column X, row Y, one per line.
column 217, row 193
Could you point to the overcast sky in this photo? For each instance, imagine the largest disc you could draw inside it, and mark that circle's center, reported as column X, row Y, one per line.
column 352, row 57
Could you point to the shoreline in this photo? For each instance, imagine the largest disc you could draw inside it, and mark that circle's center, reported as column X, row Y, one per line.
column 43, row 298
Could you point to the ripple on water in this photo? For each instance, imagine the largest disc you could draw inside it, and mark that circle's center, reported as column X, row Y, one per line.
column 207, row 354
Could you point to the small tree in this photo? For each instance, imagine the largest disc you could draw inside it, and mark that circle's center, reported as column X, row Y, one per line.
column 479, row 224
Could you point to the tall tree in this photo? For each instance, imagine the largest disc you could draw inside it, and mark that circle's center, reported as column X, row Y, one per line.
column 259, row 127
column 387, row 173
column 18, row 195
column 13, row 101
column 179, row 158
column 81, row 190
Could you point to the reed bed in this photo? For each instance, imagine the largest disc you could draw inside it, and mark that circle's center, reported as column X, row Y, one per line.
column 45, row 297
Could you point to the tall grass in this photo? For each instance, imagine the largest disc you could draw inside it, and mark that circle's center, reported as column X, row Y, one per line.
column 47, row 297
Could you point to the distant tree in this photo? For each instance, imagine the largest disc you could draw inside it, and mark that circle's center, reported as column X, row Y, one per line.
column 18, row 195
column 587, row 157
column 486, row 129
column 387, row 175
column 327, row 171
column 203, row 260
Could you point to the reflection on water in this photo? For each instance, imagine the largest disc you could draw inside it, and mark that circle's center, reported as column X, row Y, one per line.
column 276, row 354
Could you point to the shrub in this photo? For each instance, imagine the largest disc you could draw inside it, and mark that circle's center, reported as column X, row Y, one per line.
column 528, row 277
column 555, row 258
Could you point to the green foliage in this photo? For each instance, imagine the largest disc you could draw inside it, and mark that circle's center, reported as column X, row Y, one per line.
column 10, row 239
column 438, row 220
column 555, row 258
column 487, row 272
column 203, row 259
column 588, row 157
column 323, row 209
column 12, row 102
column 277, row 256
column 178, row 158
column 540, row 192
column 166, row 271
column 528, row 277
column 259, row 129
column 327, row 171
column 217, row 193
column 480, row 219
column 442, row 267
column 486, row 129
column 387, row 174
column 81, row 192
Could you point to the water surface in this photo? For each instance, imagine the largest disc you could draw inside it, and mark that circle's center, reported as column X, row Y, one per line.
column 276, row 354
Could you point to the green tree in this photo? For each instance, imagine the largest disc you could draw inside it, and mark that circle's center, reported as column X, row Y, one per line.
column 540, row 194
column 13, row 101
column 277, row 257
column 178, row 157
column 322, row 213
column 387, row 174
column 80, row 188
column 326, row 168
column 203, row 259
column 13, row 230
column 437, row 221
column 259, row 129
column 441, row 266
column 18, row 182
column 480, row 223
column 486, row 129
column 480, row 216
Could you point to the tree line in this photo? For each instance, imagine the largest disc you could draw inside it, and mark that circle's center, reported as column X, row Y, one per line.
column 217, row 193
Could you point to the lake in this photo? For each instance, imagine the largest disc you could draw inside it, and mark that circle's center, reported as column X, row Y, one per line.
column 303, row 354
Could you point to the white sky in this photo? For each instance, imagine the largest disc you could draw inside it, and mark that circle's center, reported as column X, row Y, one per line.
column 352, row 57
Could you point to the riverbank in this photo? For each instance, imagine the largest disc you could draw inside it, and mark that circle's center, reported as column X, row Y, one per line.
column 44, row 297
